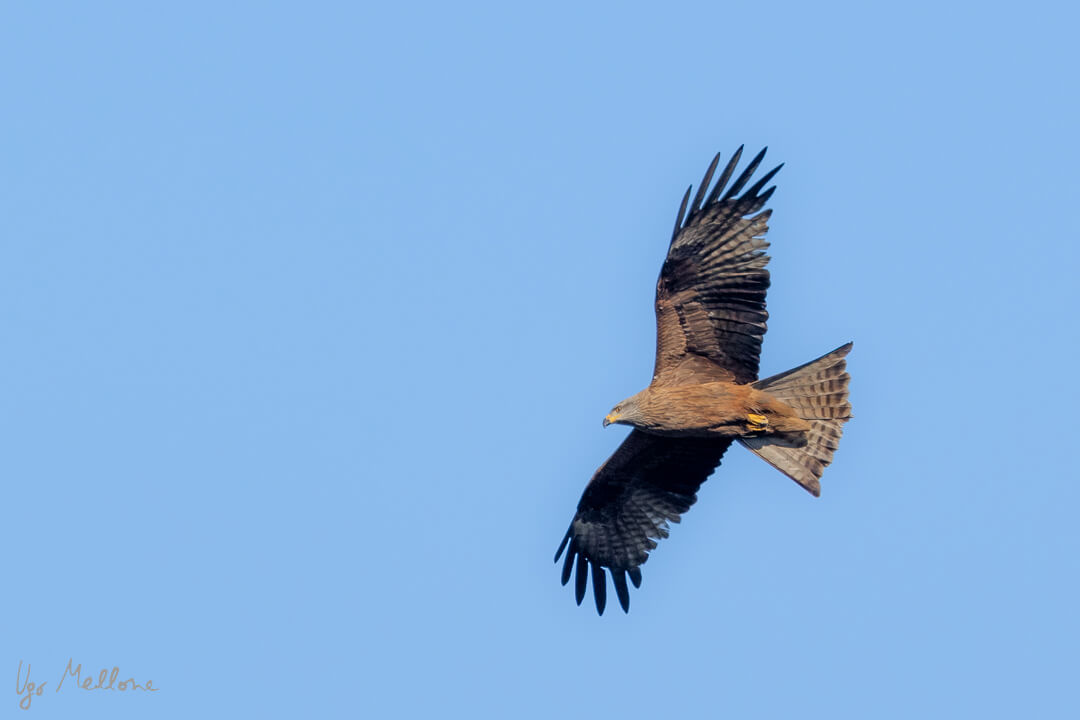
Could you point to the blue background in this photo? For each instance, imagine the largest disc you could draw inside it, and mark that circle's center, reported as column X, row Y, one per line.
column 310, row 314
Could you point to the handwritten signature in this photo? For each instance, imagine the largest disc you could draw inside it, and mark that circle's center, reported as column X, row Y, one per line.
column 29, row 690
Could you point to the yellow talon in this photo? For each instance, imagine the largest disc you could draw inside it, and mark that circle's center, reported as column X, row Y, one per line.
column 757, row 422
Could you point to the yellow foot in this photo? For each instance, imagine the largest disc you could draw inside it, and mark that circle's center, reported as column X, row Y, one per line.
column 757, row 422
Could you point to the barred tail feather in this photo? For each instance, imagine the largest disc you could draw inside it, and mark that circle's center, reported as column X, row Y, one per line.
column 818, row 390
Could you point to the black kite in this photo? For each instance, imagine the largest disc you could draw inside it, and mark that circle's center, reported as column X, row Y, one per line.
column 710, row 319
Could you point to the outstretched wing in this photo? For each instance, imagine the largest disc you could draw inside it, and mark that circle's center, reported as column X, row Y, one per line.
column 651, row 480
column 710, row 298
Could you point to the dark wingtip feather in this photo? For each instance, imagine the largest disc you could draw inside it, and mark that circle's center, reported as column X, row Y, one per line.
column 682, row 213
column 566, row 539
column 599, row 584
column 569, row 564
column 635, row 574
column 580, row 579
column 696, row 205
column 618, row 579
column 753, row 191
column 738, row 184
column 725, row 176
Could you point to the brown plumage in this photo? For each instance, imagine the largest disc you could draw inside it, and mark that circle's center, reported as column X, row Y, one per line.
column 704, row 394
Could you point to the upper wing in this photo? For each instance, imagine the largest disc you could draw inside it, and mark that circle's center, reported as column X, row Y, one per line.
column 710, row 298
column 649, row 481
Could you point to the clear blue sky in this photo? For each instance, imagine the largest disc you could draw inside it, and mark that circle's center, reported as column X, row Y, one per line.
column 310, row 314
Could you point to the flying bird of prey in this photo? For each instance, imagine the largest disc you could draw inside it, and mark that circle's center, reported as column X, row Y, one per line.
column 705, row 392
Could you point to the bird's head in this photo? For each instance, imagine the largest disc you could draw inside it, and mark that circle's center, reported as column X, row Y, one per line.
column 625, row 413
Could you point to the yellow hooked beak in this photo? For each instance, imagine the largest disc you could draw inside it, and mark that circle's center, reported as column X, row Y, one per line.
column 610, row 419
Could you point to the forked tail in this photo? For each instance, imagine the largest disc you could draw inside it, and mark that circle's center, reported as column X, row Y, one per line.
column 818, row 390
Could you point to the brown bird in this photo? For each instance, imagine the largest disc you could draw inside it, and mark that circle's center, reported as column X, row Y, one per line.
column 704, row 394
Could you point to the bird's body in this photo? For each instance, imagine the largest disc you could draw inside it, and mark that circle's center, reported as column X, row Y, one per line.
column 713, row 409
column 705, row 392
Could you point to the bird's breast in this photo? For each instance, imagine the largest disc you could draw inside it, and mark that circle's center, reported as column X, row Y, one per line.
column 707, row 409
